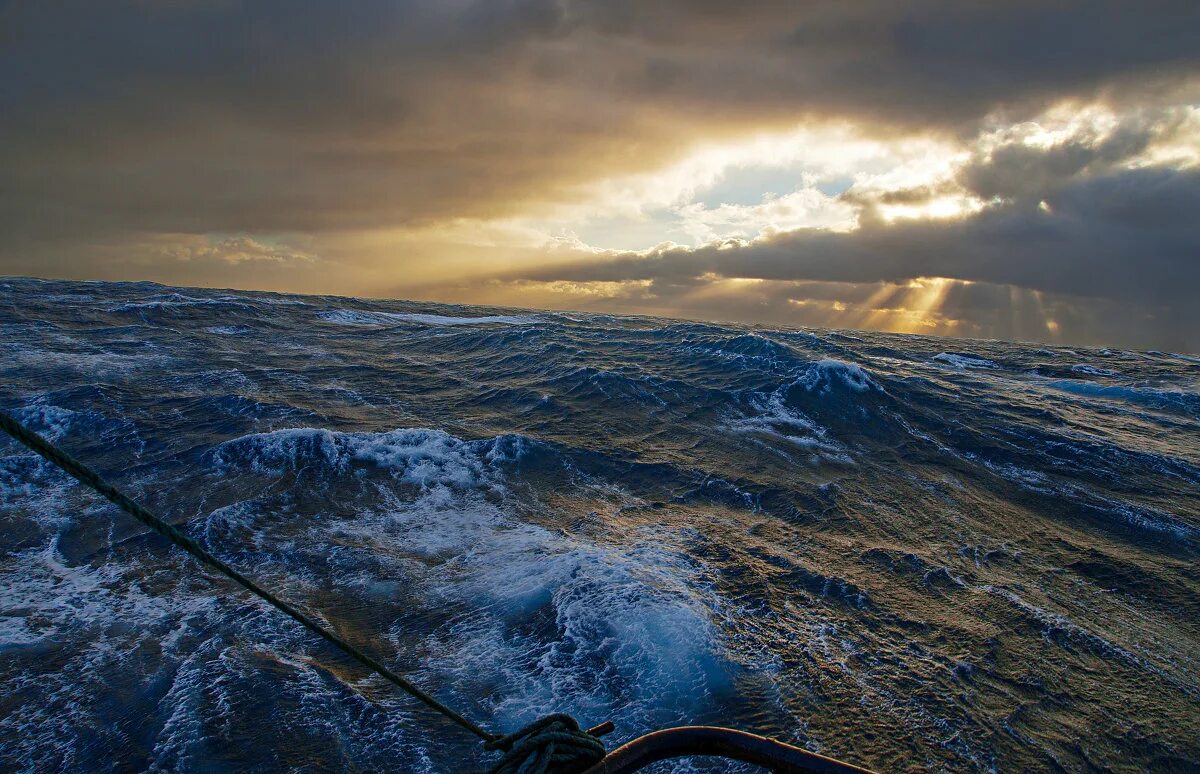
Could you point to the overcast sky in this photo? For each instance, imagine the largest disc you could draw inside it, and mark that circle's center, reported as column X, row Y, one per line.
column 1017, row 170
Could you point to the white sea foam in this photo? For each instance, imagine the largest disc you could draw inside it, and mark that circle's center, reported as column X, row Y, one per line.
column 229, row 330
column 97, row 617
column 415, row 455
column 88, row 365
column 176, row 300
column 772, row 416
column 824, row 375
column 962, row 362
column 371, row 318
column 1091, row 370
column 638, row 610
column 638, row 607
column 353, row 317
column 438, row 319
column 16, row 630
column 51, row 422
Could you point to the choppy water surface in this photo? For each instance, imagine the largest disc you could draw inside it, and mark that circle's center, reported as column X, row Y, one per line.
column 901, row 551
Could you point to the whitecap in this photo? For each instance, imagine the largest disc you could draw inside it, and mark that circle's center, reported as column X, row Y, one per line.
column 417, row 456
column 772, row 416
column 365, row 318
column 1091, row 370
column 438, row 319
column 823, row 375
column 963, row 362
column 229, row 330
column 175, row 300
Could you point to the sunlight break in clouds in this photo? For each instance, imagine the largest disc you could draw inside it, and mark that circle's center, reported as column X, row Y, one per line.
column 794, row 169
column 886, row 181
column 521, row 153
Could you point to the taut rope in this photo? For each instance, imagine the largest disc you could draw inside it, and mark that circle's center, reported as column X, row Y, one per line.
column 554, row 744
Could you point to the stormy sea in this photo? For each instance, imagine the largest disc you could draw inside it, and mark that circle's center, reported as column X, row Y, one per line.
column 902, row 551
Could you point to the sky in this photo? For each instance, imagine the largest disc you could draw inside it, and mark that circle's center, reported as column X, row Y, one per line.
column 1011, row 170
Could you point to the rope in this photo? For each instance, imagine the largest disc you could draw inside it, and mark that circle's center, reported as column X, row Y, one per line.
column 553, row 745
column 91, row 478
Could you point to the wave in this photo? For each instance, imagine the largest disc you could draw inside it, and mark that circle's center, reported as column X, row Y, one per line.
column 828, row 376
column 769, row 415
column 229, row 330
column 747, row 351
column 415, row 455
column 1188, row 402
column 1091, row 370
column 357, row 317
column 179, row 301
column 964, row 361
column 528, row 594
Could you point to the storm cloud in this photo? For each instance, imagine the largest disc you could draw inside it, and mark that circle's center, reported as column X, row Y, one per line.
column 282, row 144
column 1089, row 240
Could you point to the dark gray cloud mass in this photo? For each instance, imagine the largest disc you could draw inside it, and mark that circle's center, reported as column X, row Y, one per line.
column 1129, row 235
column 228, row 115
column 1067, row 220
column 122, row 123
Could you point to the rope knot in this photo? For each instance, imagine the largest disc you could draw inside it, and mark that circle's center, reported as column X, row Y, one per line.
column 553, row 745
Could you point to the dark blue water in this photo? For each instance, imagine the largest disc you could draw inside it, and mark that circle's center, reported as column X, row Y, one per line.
column 907, row 552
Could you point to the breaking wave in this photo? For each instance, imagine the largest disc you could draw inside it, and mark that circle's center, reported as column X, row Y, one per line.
column 355, row 317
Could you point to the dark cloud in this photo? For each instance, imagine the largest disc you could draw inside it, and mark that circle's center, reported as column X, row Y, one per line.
column 1019, row 171
column 231, row 116
column 136, row 123
column 1127, row 236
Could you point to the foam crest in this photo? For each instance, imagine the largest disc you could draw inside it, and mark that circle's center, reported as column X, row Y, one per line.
column 825, row 376
column 373, row 318
column 50, row 422
column 551, row 621
column 179, row 300
column 747, row 351
column 229, row 330
column 771, row 416
column 624, row 631
column 963, row 362
column 1091, row 370
column 415, row 455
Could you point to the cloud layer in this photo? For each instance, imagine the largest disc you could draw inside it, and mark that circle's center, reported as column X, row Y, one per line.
column 481, row 150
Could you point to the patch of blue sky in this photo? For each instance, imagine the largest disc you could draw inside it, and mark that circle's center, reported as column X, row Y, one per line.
column 834, row 186
column 625, row 233
column 741, row 186
column 748, row 185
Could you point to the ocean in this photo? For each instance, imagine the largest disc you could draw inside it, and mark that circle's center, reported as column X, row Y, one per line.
column 901, row 551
